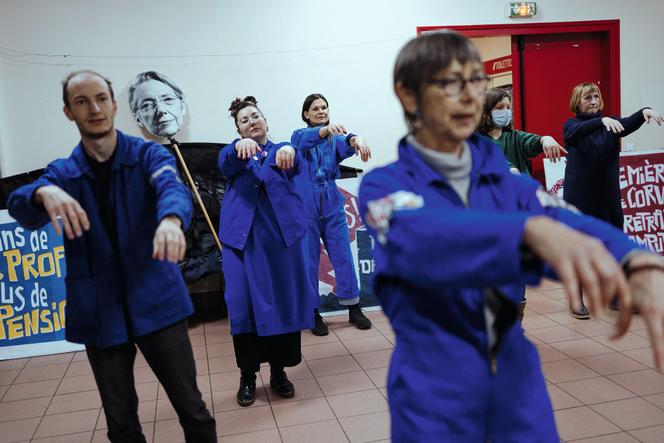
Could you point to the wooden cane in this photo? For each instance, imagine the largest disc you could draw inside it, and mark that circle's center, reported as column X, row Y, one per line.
column 193, row 188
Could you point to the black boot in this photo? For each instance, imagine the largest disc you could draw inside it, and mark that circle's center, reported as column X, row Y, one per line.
column 522, row 310
column 246, row 395
column 280, row 384
column 357, row 317
column 320, row 329
column 580, row 314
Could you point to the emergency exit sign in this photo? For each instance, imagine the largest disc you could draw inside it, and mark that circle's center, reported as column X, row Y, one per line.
column 522, row 9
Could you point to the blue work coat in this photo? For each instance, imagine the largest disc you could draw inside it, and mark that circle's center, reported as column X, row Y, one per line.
column 144, row 188
column 434, row 264
column 593, row 162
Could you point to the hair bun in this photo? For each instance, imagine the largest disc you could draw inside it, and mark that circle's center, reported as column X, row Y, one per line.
column 251, row 99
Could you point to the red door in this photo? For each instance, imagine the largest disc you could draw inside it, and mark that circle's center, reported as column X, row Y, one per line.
column 547, row 69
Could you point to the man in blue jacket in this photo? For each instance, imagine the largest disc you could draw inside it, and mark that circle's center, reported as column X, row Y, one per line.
column 123, row 209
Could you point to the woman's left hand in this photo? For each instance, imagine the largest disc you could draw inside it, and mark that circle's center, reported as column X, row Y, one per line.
column 361, row 147
column 552, row 150
column 650, row 114
column 286, row 158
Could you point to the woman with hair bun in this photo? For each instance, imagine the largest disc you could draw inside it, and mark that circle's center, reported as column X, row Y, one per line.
column 264, row 261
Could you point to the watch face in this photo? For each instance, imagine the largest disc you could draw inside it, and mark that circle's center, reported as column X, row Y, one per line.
column 157, row 104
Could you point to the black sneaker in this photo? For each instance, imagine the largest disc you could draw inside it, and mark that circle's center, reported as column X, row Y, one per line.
column 246, row 395
column 320, row 329
column 281, row 385
column 581, row 314
column 357, row 317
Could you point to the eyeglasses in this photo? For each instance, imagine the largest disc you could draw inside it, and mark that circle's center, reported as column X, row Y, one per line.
column 453, row 86
column 150, row 104
column 251, row 118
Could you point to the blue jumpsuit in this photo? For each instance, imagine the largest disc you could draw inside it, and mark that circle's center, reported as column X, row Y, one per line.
column 264, row 257
column 435, row 261
column 324, row 207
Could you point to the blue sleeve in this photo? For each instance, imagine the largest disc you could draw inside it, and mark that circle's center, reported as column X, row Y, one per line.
column 228, row 163
column 632, row 123
column 22, row 206
column 575, row 129
column 343, row 147
column 173, row 197
column 272, row 161
column 452, row 246
column 306, row 138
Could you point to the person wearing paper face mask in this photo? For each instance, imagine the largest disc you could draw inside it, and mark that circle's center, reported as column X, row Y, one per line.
column 518, row 146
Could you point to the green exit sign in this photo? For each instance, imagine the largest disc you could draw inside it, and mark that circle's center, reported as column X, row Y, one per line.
column 522, row 9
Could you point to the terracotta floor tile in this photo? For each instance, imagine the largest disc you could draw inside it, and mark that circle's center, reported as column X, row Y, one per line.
column 592, row 328
column 350, row 332
column 304, row 389
column 546, row 306
column 240, row 421
column 302, row 411
column 536, row 321
column 643, row 356
column 561, row 399
column 378, row 376
column 582, row 422
column 168, row 431
column 8, row 376
column 566, row 370
column 217, row 337
column 620, row 437
column 374, row 359
column 35, row 389
column 222, row 364
column 627, row 342
column 657, row 400
column 83, row 437
column 77, row 368
column 324, row 350
column 49, row 360
column 632, row 413
column 357, row 403
column 384, row 328
column 144, row 375
column 147, row 391
column 40, row 373
column 346, row 382
column 202, row 366
column 16, row 363
column 333, row 365
column 547, row 285
column 321, row 432
column 310, row 339
column 77, row 401
column 197, row 340
column 548, row 353
column 299, row 372
column 613, row 363
column 225, row 380
column 77, row 384
column 582, row 347
column 369, row 344
column 69, row 423
column 564, row 318
column 376, row 315
column 80, row 356
column 146, row 415
column 643, row 382
column 100, row 436
column 20, row 409
column 595, row 390
column 267, row 436
column 649, row 435
column 220, row 350
column 18, row 430
column 554, row 334
column 226, row 400
column 365, row 428
column 3, row 390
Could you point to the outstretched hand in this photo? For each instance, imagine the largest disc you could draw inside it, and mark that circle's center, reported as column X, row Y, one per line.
column 652, row 115
column 246, row 148
column 58, row 203
column 612, row 125
column 361, row 147
column 552, row 150
column 169, row 242
column 285, row 157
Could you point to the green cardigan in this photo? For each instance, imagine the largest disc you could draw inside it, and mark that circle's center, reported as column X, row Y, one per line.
column 519, row 146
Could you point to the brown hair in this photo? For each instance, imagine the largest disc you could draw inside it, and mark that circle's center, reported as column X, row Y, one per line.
column 65, row 84
column 579, row 91
column 307, row 104
column 239, row 104
column 492, row 97
column 422, row 57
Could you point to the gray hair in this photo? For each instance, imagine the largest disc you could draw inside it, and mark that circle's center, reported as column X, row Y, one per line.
column 151, row 75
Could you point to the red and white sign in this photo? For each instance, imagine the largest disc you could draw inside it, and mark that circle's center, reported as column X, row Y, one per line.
column 498, row 65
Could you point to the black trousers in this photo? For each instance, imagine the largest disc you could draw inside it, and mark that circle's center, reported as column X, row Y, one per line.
column 169, row 354
column 280, row 351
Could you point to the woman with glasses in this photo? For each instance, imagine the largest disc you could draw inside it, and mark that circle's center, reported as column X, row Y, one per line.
column 457, row 236
column 324, row 145
column 268, row 292
column 518, row 146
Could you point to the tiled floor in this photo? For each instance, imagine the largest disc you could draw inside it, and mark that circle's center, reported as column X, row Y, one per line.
column 602, row 391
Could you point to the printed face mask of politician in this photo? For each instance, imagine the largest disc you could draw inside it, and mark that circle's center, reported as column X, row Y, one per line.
column 158, row 109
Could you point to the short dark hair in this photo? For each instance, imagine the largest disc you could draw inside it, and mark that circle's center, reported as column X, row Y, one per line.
column 240, row 103
column 422, row 57
column 151, row 75
column 65, row 84
column 491, row 98
column 307, row 104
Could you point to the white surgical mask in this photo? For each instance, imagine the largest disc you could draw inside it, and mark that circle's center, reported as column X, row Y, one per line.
column 501, row 117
